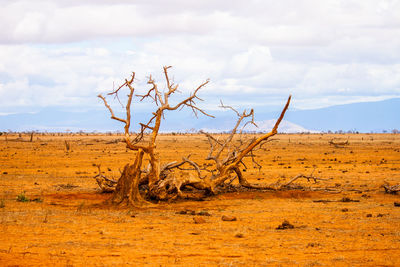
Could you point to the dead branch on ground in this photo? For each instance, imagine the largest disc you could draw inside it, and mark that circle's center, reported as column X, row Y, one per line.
column 339, row 144
column 391, row 189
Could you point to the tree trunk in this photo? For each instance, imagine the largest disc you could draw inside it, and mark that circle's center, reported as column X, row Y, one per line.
column 128, row 185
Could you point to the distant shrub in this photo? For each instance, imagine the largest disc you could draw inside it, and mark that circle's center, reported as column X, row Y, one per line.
column 2, row 204
column 22, row 198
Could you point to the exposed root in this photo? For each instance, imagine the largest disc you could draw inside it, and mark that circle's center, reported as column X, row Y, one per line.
column 106, row 185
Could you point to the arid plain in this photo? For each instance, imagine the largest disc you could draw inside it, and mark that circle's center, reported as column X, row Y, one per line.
column 62, row 219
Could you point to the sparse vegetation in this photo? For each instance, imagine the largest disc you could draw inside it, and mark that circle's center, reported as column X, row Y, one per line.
column 22, row 198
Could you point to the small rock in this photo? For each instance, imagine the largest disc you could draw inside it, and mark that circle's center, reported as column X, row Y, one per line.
column 380, row 215
column 228, row 218
column 198, row 220
column 369, row 215
column 239, row 235
column 345, row 210
column 312, row 244
column 285, row 225
column 397, row 204
column 203, row 213
column 195, row 233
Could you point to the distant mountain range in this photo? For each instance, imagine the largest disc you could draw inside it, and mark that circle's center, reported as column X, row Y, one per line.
column 362, row 117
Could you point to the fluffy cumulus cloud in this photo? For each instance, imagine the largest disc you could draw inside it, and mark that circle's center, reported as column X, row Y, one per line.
column 63, row 53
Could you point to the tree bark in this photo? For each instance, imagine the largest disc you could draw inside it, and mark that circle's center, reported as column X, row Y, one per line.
column 128, row 185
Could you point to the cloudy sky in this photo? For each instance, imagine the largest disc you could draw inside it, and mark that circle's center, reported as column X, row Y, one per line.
column 62, row 53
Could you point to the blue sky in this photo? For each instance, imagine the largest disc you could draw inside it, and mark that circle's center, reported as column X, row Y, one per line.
column 255, row 52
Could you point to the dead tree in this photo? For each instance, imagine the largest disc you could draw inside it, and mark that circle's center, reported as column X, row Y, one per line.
column 166, row 181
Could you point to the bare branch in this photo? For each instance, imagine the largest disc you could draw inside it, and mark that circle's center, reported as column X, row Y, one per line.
column 157, row 95
column 190, row 102
column 126, row 83
column 175, row 164
column 229, row 107
column 264, row 137
column 308, row 177
column 110, row 109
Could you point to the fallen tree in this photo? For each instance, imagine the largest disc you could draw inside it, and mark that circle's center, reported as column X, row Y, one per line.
column 157, row 181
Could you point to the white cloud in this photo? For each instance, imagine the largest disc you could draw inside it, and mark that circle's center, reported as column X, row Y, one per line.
column 255, row 52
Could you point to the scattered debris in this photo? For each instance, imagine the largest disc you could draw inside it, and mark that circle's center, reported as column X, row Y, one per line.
column 345, row 210
column 239, row 235
column 312, row 244
column 397, row 204
column 347, row 199
column 66, row 186
column 323, row 201
column 285, row 225
column 192, row 212
column 115, row 141
column 186, row 212
column 369, row 215
column 344, row 199
column 203, row 213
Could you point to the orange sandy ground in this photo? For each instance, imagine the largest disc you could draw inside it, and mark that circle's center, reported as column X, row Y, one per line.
column 72, row 226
